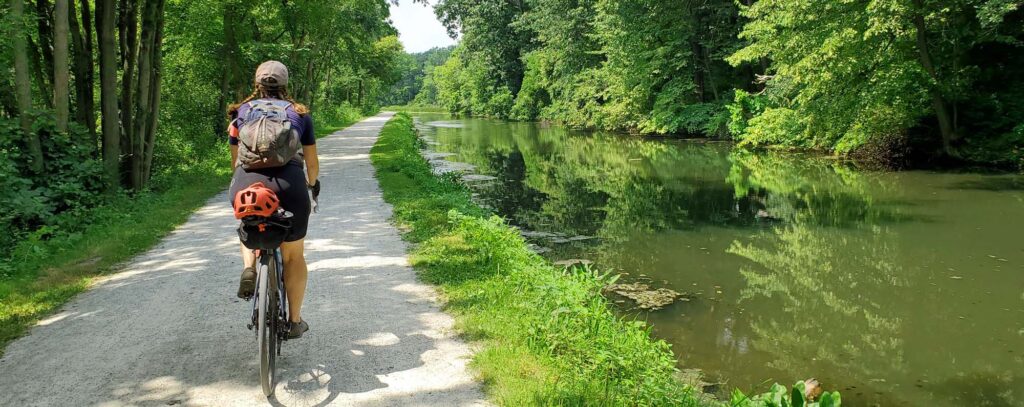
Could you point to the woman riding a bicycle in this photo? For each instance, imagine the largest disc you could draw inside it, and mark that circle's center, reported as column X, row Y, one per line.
column 288, row 181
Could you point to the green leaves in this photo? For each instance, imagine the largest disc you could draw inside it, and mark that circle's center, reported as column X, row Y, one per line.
column 780, row 396
column 861, row 72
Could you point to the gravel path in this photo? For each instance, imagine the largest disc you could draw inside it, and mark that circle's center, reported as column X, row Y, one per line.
column 168, row 330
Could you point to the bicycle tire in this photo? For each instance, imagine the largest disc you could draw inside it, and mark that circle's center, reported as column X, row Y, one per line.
column 267, row 323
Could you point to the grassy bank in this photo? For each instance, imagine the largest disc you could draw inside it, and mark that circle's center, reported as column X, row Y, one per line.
column 547, row 336
column 52, row 266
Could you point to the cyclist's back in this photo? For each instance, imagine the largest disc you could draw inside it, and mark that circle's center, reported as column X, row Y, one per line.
column 286, row 177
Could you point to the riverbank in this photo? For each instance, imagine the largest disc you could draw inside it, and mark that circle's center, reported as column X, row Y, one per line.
column 904, row 153
column 52, row 266
column 547, row 336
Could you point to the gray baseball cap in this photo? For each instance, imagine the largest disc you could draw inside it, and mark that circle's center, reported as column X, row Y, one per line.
column 272, row 74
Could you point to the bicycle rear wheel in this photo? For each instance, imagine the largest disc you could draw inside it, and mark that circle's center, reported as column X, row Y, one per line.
column 267, row 322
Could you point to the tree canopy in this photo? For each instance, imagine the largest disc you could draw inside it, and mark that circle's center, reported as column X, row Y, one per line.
column 145, row 85
column 907, row 78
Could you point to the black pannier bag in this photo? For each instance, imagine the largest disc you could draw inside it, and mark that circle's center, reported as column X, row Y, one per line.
column 259, row 233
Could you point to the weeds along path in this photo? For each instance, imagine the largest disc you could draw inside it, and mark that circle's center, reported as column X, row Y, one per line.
column 168, row 330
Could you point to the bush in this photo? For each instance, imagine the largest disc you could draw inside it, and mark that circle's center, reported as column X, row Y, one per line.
column 339, row 113
column 744, row 107
column 774, row 126
column 71, row 181
column 698, row 119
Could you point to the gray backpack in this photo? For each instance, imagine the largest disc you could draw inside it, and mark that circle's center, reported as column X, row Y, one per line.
column 266, row 138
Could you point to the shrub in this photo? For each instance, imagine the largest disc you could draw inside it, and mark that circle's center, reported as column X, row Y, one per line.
column 744, row 107
column 774, row 126
column 70, row 182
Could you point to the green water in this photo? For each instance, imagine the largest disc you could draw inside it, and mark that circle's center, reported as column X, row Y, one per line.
column 902, row 288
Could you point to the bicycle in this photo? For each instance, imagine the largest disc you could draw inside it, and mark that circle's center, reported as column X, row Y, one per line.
column 270, row 303
column 264, row 226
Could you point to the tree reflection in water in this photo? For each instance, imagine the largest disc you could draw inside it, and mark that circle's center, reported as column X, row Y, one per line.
column 824, row 270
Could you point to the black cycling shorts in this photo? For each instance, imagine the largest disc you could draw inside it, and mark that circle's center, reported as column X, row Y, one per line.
column 289, row 183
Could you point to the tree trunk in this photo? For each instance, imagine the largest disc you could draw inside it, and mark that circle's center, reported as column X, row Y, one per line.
column 128, row 24
column 108, row 90
column 143, row 87
column 23, row 87
column 698, row 70
column 40, row 73
column 230, row 53
column 359, row 101
column 154, row 104
column 81, row 40
column 308, row 96
column 44, row 49
column 61, row 76
column 946, row 128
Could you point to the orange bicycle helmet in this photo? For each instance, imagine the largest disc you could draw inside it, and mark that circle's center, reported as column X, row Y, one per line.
column 255, row 200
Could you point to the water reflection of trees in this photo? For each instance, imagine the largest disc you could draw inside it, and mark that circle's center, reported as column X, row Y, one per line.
column 817, row 243
column 549, row 178
column 829, row 283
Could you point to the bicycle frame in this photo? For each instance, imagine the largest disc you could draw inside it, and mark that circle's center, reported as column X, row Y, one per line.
column 269, row 314
column 282, row 302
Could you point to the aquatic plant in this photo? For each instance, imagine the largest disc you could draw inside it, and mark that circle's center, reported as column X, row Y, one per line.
column 799, row 395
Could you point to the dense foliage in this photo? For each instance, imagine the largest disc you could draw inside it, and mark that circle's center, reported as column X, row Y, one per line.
column 416, row 77
column 932, row 78
column 112, row 119
column 158, row 109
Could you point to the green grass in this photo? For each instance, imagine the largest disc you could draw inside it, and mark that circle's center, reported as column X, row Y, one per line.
column 43, row 274
column 415, row 108
column 48, row 269
column 546, row 336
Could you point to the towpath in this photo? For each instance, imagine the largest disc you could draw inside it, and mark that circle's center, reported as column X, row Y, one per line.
column 168, row 330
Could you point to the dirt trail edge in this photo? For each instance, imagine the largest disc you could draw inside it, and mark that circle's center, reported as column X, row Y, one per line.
column 167, row 329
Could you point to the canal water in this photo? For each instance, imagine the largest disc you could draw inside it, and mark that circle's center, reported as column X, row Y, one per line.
column 895, row 288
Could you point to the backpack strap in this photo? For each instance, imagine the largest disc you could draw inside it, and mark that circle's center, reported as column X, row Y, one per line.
column 276, row 102
column 284, row 104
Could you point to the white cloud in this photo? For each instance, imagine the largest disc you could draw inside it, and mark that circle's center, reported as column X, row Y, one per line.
column 418, row 28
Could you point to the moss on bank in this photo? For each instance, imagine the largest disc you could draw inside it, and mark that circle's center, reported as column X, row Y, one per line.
column 547, row 336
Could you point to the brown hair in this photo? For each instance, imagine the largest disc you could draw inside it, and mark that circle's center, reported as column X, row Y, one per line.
column 259, row 91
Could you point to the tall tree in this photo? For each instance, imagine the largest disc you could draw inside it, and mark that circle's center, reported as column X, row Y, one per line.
column 947, row 128
column 146, row 90
column 61, row 76
column 81, row 41
column 23, row 87
column 108, row 90
column 154, row 104
column 127, row 28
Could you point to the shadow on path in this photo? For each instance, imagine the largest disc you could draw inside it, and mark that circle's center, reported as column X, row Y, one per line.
column 167, row 330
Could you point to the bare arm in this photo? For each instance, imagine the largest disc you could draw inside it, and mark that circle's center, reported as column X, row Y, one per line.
column 234, row 157
column 312, row 163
